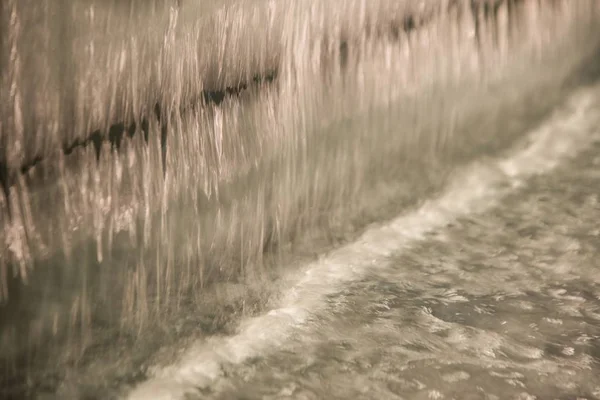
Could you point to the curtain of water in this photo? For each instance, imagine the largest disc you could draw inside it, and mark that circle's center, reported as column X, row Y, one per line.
column 151, row 149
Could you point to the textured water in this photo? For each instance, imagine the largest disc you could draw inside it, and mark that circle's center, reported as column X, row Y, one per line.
column 166, row 165
column 499, row 305
column 475, row 295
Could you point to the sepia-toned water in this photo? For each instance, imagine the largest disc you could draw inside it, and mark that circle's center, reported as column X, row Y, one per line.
column 325, row 199
column 490, row 290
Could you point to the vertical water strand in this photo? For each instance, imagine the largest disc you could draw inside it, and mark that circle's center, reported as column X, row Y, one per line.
column 40, row 125
column 4, row 262
column 14, row 129
column 4, row 205
column 169, row 106
column 4, row 97
column 12, row 141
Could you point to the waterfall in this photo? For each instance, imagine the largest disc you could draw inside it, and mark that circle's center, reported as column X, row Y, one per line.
column 155, row 152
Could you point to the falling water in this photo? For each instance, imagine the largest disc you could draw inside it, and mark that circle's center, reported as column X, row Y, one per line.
column 166, row 158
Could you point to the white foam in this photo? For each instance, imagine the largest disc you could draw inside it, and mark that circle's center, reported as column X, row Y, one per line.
column 475, row 189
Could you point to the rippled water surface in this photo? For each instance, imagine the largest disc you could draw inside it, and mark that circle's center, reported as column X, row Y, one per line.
column 505, row 304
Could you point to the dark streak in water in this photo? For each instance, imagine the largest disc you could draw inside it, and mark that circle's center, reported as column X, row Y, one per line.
column 117, row 130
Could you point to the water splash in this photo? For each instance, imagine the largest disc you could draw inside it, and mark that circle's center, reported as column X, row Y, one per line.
column 150, row 149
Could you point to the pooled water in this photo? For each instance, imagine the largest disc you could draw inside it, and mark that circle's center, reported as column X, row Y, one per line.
column 156, row 155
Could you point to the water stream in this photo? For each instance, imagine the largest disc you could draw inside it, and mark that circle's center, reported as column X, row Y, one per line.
column 168, row 166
